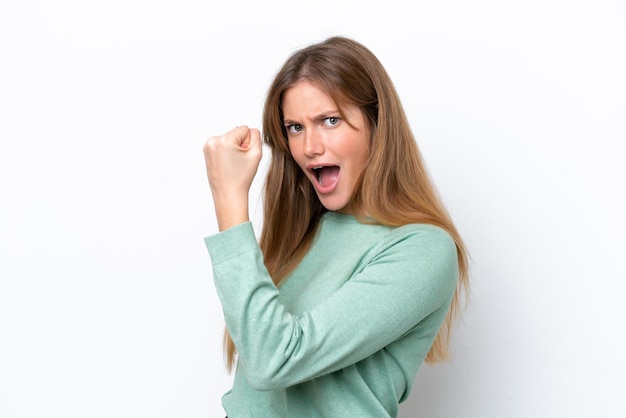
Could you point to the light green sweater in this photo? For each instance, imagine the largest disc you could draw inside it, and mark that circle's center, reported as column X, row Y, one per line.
column 345, row 334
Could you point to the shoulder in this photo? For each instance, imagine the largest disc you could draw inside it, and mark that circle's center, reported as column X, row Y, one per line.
column 425, row 252
column 421, row 236
column 423, row 258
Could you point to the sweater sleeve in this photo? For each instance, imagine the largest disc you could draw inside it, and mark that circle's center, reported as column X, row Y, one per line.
column 412, row 274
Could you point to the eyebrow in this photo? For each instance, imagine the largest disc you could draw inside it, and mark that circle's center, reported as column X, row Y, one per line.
column 323, row 115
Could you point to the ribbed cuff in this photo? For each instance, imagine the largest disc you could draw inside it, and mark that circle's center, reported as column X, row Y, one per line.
column 231, row 243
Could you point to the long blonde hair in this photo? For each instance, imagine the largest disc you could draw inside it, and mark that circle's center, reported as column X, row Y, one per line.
column 394, row 188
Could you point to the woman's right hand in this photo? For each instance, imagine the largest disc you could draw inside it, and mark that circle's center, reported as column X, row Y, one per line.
column 232, row 161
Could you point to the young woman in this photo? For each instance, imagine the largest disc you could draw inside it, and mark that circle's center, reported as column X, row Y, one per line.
column 359, row 270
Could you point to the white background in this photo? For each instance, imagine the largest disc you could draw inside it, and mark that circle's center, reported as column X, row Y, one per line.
column 107, row 306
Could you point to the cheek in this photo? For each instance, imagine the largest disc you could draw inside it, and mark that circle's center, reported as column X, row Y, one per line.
column 292, row 150
column 367, row 149
column 296, row 153
column 361, row 166
column 360, row 151
column 363, row 159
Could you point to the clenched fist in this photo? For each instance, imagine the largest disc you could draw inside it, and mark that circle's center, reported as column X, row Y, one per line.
column 232, row 161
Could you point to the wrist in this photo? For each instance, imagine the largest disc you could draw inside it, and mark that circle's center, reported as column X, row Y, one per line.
column 231, row 213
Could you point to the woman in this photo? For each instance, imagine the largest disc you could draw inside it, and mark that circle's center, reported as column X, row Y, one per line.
column 359, row 270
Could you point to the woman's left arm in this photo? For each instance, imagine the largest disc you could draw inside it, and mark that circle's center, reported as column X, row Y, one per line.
column 412, row 275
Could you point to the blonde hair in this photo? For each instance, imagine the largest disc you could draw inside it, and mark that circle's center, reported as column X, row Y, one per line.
column 394, row 188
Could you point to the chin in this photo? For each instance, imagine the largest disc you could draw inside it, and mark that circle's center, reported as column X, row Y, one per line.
column 335, row 206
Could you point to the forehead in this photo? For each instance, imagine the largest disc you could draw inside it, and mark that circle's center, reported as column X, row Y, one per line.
column 305, row 97
column 307, row 100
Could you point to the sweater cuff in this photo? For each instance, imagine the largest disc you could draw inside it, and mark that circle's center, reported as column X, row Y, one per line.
column 231, row 243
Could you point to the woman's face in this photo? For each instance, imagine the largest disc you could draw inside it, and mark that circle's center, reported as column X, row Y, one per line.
column 330, row 145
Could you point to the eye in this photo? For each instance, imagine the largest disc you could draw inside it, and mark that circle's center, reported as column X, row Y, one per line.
column 331, row 121
column 293, row 129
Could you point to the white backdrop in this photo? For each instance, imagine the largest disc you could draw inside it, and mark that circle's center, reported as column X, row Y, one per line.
column 107, row 306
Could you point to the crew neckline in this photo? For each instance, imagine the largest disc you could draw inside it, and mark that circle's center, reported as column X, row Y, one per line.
column 340, row 217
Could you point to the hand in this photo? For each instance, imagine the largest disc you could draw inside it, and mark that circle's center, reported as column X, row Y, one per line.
column 232, row 161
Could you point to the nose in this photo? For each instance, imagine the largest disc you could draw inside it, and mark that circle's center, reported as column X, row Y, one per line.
column 313, row 143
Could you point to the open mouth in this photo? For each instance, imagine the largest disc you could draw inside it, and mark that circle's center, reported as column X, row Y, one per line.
column 326, row 176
